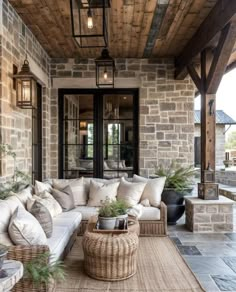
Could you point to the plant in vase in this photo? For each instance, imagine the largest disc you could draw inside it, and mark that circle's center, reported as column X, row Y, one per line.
column 41, row 274
column 179, row 182
column 111, row 212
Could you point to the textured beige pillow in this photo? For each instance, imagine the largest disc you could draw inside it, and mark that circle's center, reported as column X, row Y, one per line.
column 41, row 187
column 43, row 216
column 152, row 190
column 65, row 198
column 130, row 192
column 79, row 188
column 100, row 191
column 48, row 201
column 24, row 229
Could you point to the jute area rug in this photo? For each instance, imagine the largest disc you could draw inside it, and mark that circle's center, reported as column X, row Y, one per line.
column 160, row 268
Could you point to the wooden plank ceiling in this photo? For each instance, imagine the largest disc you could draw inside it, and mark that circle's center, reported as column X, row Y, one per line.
column 137, row 28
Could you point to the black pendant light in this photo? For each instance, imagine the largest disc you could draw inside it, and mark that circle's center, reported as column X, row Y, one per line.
column 105, row 70
column 89, row 22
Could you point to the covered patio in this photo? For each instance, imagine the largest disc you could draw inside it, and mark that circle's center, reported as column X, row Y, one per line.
column 116, row 107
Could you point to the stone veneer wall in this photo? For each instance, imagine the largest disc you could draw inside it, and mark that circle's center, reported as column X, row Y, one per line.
column 166, row 119
column 16, row 41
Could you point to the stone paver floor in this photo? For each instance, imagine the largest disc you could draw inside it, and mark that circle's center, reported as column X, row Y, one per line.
column 212, row 257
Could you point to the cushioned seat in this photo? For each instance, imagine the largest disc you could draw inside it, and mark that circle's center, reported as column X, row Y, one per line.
column 86, row 211
column 58, row 241
column 70, row 220
column 150, row 213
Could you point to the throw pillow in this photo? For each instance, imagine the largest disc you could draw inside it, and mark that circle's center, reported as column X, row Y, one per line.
column 23, row 195
column 78, row 187
column 152, row 190
column 43, row 216
column 130, row 192
column 65, row 198
column 48, row 201
column 41, row 187
column 100, row 191
column 24, row 229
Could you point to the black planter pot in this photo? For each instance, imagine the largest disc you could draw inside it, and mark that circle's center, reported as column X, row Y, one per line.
column 175, row 204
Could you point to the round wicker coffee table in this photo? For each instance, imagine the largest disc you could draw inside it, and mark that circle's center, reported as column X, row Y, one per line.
column 110, row 257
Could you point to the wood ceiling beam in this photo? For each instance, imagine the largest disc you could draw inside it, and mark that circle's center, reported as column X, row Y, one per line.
column 217, row 19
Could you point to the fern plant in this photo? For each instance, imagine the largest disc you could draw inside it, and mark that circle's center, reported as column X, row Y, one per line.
column 39, row 271
column 177, row 177
column 112, row 208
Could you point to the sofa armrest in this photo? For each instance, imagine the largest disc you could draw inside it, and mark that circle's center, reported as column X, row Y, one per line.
column 163, row 211
column 25, row 253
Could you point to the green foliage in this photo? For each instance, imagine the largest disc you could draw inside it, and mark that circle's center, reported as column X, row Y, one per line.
column 111, row 208
column 40, row 271
column 177, row 177
column 19, row 179
column 231, row 141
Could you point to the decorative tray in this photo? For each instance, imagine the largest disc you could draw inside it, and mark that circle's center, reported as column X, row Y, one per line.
column 115, row 231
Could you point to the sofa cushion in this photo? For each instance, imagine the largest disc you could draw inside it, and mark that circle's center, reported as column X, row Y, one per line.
column 48, row 201
column 150, row 213
column 65, row 198
column 130, row 192
column 24, row 229
column 70, row 220
column 99, row 192
column 5, row 239
column 63, row 227
column 5, row 217
column 86, row 211
column 23, row 195
column 153, row 189
column 78, row 187
column 42, row 186
column 43, row 216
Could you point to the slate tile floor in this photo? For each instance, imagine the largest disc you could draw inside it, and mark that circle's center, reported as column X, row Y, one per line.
column 212, row 257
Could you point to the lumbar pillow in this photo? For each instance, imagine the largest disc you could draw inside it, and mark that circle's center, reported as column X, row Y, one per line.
column 24, row 229
column 152, row 190
column 100, row 191
column 78, row 187
column 130, row 192
column 48, row 201
column 43, row 216
column 65, row 198
column 41, row 187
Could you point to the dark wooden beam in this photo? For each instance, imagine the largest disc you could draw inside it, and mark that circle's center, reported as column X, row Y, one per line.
column 158, row 17
column 194, row 75
column 221, row 57
column 217, row 19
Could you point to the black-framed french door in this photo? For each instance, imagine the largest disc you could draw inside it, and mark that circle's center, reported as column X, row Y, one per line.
column 98, row 132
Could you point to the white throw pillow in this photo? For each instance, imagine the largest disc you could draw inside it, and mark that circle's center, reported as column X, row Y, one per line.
column 130, row 192
column 41, row 187
column 152, row 190
column 78, row 187
column 23, row 195
column 24, row 229
column 48, row 201
column 100, row 191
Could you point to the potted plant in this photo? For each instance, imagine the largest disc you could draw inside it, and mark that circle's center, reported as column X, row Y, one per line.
column 40, row 274
column 179, row 181
column 110, row 213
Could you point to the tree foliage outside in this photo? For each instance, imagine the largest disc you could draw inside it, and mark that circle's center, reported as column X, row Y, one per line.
column 231, row 141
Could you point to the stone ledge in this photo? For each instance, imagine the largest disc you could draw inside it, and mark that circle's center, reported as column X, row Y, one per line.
column 197, row 201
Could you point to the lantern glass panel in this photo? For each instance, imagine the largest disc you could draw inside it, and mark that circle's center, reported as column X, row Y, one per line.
column 26, row 90
column 18, row 92
column 82, row 13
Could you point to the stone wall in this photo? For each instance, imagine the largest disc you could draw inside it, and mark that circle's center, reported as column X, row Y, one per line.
column 16, row 41
column 220, row 142
column 166, row 119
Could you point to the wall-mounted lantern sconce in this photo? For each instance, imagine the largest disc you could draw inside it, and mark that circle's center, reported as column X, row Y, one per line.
column 26, row 87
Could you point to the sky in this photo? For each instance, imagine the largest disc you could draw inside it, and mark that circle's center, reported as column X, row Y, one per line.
column 225, row 97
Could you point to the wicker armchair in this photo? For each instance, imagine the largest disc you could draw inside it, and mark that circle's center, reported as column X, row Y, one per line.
column 147, row 227
column 24, row 254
